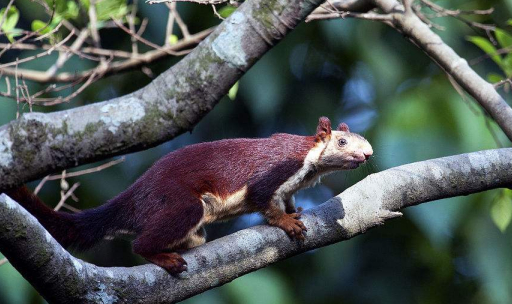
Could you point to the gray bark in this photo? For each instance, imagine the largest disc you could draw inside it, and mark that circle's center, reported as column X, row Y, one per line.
column 61, row 278
column 38, row 144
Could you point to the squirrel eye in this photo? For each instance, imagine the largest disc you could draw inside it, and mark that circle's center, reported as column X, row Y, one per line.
column 342, row 142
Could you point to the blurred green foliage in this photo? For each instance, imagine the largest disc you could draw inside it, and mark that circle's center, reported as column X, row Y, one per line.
column 450, row 251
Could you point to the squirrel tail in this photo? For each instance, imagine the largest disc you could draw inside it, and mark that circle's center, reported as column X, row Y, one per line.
column 80, row 230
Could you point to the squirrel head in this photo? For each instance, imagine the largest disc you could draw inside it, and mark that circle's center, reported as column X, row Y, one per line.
column 342, row 149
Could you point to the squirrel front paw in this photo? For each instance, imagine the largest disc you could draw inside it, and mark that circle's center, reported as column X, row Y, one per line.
column 291, row 224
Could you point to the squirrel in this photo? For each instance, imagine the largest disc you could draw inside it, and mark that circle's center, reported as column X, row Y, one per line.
column 167, row 207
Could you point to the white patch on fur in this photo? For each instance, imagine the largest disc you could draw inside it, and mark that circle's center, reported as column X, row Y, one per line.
column 298, row 180
column 218, row 208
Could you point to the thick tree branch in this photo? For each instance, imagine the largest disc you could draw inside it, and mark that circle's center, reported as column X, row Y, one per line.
column 37, row 144
column 421, row 35
column 61, row 278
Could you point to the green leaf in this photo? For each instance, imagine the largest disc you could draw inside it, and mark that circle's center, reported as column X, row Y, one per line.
column 501, row 210
column 71, row 11
column 38, row 25
column 14, row 33
column 85, row 4
column 173, row 39
column 507, row 65
column 13, row 15
column 504, row 38
column 509, row 22
column 486, row 46
column 114, row 8
column 494, row 78
column 226, row 11
column 233, row 91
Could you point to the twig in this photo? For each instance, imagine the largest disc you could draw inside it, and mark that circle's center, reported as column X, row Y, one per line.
column 142, row 27
column 216, row 13
column 131, row 23
column 85, row 50
column 502, row 82
column 441, row 11
column 151, row 56
column 205, row 2
column 63, row 57
column 66, row 196
column 366, row 16
column 48, row 52
column 183, row 27
column 78, row 173
column 16, row 88
column 98, row 71
column 170, row 23
column 8, row 85
column 49, row 33
column 147, row 42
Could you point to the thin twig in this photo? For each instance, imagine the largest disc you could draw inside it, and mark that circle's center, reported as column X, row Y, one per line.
column 179, row 49
column 66, row 196
column 48, row 52
column 205, row 2
column 77, row 173
column 441, row 12
column 366, row 16
column 131, row 23
column 53, row 31
column 183, row 27
column 16, row 88
column 216, row 13
column 64, row 56
column 147, row 42
column 170, row 24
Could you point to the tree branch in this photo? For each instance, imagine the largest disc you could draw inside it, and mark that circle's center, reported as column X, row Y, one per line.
column 422, row 36
column 61, row 278
column 37, row 143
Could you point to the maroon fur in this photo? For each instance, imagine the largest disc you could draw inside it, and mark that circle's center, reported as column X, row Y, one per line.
column 164, row 207
column 324, row 128
column 343, row 127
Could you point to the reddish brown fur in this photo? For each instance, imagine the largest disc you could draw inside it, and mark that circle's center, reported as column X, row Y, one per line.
column 164, row 207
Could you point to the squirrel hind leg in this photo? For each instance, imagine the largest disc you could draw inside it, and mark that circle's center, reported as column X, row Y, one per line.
column 169, row 233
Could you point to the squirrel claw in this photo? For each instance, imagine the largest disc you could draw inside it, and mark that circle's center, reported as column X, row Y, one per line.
column 292, row 226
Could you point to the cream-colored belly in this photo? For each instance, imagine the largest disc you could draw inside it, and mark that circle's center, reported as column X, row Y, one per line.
column 223, row 208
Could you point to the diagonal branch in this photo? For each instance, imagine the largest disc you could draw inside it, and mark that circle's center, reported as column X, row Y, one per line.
column 38, row 144
column 422, row 36
column 61, row 278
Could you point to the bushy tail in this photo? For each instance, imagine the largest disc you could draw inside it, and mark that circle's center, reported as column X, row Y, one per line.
column 80, row 230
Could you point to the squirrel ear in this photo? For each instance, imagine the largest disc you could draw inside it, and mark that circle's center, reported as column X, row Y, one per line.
column 324, row 128
column 343, row 127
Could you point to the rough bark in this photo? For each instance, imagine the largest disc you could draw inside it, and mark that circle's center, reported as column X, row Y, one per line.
column 38, row 144
column 61, row 278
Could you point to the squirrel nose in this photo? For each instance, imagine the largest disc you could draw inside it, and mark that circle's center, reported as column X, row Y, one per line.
column 367, row 153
